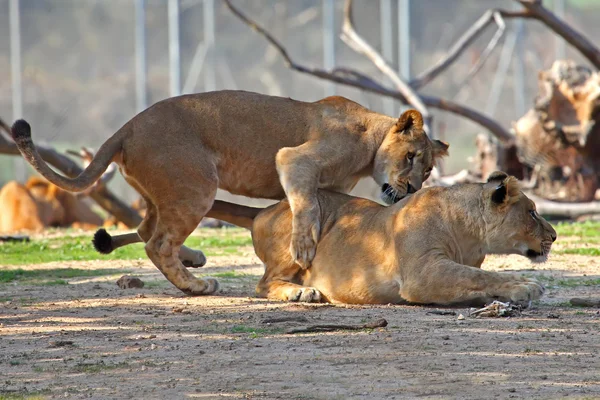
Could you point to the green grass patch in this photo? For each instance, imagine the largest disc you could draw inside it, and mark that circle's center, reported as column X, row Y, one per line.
column 230, row 275
column 54, row 276
column 582, row 229
column 582, row 251
column 79, row 248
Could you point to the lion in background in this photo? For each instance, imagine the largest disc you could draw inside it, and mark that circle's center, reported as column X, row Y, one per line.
column 39, row 204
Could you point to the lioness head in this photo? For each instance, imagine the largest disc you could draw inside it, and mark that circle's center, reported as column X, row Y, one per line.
column 406, row 157
column 513, row 225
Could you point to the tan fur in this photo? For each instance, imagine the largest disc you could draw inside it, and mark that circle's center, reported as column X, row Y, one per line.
column 180, row 150
column 39, row 204
column 422, row 250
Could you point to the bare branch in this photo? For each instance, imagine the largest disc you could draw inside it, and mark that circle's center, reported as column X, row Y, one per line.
column 349, row 77
column 358, row 44
column 105, row 198
column 571, row 210
column 484, row 55
column 538, row 11
column 465, row 41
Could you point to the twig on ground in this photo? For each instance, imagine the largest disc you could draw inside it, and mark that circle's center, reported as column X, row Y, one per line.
column 380, row 323
column 578, row 302
column 440, row 312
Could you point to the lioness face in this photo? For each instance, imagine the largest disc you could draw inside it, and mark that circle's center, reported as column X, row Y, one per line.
column 512, row 223
column 406, row 157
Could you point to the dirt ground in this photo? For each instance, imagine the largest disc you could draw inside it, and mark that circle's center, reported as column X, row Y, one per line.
column 91, row 339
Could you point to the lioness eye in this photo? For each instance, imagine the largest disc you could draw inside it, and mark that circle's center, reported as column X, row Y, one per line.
column 533, row 214
column 410, row 156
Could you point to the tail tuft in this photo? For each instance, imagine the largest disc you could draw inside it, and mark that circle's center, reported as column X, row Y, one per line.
column 21, row 131
column 102, row 241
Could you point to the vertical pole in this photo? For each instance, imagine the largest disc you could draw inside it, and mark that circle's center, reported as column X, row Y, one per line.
column 15, row 70
column 404, row 38
column 141, row 97
column 209, row 42
column 519, row 70
column 500, row 76
column 560, row 48
column 387, row 46
column 174, row 56
column 329, row 42
column 15, row 57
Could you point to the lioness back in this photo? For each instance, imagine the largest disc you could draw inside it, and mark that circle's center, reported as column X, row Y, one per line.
column 243, row 130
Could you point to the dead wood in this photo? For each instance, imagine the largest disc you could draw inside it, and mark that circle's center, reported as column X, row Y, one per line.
column 380, row 323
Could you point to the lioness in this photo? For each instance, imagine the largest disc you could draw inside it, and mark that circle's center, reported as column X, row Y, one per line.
column 420, row 250
column 180, row 150
column 39, row 204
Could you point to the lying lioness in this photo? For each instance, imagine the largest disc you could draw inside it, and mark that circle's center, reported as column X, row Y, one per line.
column 180, row 150
column 38, row 204
column 426, row 249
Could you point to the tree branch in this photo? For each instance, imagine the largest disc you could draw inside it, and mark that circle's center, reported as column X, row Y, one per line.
column 465, row 41
column 105, row 198
column 361, row 46
column 571, row 210
column 348, row 77
column 538, row 11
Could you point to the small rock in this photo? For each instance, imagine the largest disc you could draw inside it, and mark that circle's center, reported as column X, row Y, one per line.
column 554, row 316
column 141, row 296
column 446, row 337
column 460, row 317
column 61, row 343
column 129, row 282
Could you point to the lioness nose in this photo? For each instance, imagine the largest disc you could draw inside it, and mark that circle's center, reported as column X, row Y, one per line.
column 553, row 236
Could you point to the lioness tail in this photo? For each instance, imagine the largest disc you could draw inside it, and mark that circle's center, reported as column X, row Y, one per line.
column 21, row 133
column 242, row 216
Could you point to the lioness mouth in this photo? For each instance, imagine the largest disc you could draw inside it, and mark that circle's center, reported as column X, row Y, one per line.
column 389, row 194
column 539, row 257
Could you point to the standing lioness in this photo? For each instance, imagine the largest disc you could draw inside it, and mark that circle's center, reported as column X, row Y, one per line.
column 180, row 150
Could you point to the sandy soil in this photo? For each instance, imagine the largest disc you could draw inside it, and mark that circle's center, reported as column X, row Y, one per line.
column 90, row 339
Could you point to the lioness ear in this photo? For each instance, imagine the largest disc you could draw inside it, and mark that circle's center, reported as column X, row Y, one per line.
column 440, row 149
column 499, row 194
column 409, row 119
column 497, row 176
column 508, row 190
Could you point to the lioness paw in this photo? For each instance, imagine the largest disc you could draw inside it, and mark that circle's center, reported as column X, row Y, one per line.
column 193, row 259
column 305, row 294
column 202, row 287
column 525, row 291
column 303, row 249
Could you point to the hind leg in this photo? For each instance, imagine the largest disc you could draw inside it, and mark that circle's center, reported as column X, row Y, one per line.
column 176, row 220
column 189, row 257
column 105, row 243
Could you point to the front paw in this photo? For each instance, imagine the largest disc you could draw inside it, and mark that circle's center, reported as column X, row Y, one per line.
column 524, row 291
column 305, row 294
column 303, row 249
